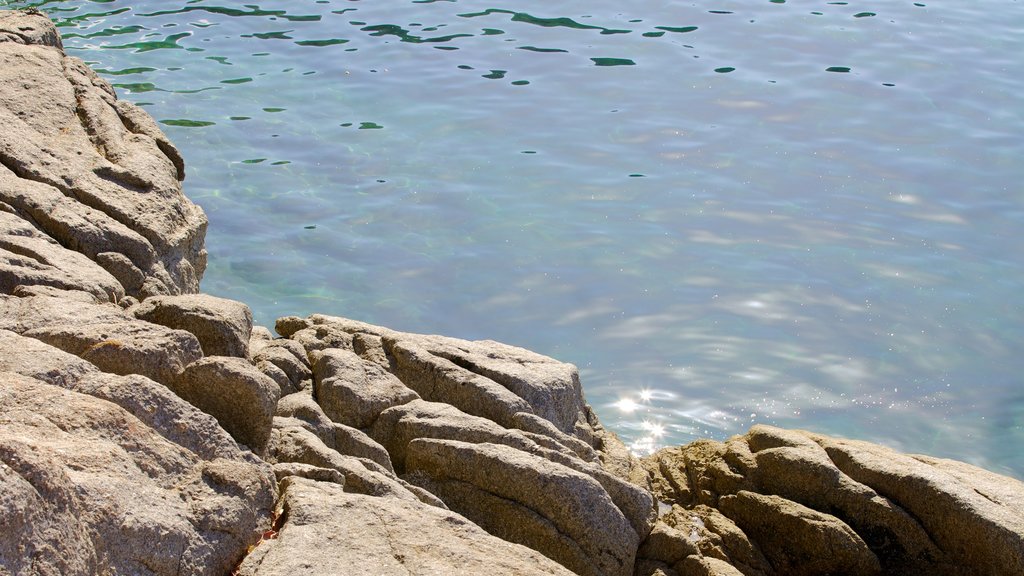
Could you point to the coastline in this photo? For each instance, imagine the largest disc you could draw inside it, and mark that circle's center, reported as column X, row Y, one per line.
column 149, row 428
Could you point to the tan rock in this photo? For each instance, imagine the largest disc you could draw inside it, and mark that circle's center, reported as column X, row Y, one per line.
column 329, row 531
column 90, row 489
column 344, row 439
column 126, row 347
column 287, row 357
column 798, row 540
column 562, row 513
column 28, row 257
column 66, row 134
column 295, row 444
column 353, row 391
column 234, row 392
column 222, row 326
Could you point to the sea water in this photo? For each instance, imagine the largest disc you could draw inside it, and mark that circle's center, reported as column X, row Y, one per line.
column 803, row 213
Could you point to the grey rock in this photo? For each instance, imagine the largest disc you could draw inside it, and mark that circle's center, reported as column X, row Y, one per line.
column 295, row 444
column 329, row 531
column 85, row 479
column 553, row 509
column 222, row 326
column 353, row 391
column 93, row 173
column 234, row 392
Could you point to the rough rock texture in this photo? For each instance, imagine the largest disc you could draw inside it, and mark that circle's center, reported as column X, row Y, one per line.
column 330, row 531
column 484, row 426
column 146, row 429
column 354, row 391
column 86, row 175
column 780, row 501
column 233, row 391
column 89, row 489
column 222, row 326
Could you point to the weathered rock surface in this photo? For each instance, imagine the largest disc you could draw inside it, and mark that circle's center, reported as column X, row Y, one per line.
column 354, row 391
column 793, row 502
column 90, row 489
column 524, row 498
column 493, row 402
column 329, row 531
column 145, row 429
column 90, row 175
column 222, row 326
column 233, row 391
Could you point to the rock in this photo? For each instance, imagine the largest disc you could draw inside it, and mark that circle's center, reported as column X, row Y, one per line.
column 396, row 427
column 295, row 444
column 353, row 391
column 329, row 531
column 289, row 325
column 974, row 516
column 222, row 326
column 152, row 403
column 93, row 173
column 667, row 545
column 90, row 489
column 287, row 357
column 27, row 257
column 50, row 292
column 231, row 390
column 400, row 425
column 344, row 439
column 551, row 388
column 102, row 334
column 26, row 27
column 812, row 504
column 798, row 540
column 553, row 509
column 440, row 380
column 126, row 347
column 705, row 566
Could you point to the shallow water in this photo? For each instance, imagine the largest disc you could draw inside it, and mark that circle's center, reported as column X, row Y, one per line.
column 801, row 213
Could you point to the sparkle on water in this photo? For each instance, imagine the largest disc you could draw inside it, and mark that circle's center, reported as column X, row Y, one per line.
column 803, row 213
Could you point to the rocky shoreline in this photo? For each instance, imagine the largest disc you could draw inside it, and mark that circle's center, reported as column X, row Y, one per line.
column 147, row 428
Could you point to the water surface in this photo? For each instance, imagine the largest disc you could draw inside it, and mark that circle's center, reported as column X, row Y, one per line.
column 802, row 213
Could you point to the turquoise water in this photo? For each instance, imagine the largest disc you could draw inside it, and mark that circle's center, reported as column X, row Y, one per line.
column 801, row 213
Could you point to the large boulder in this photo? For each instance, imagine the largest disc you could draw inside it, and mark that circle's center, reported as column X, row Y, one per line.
column 566, row 515
column 354, row 391
column 93, row 173
column 812, row 504
column 233, row 391
column 222, row 326
column 90, row 489
column 329, row 531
